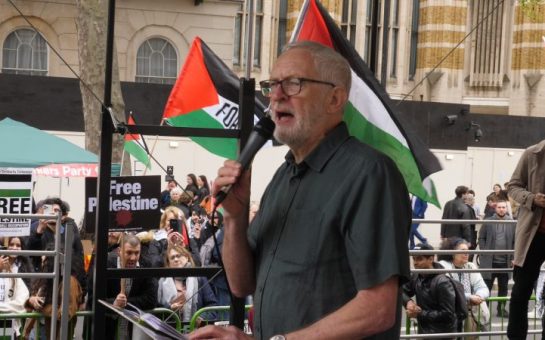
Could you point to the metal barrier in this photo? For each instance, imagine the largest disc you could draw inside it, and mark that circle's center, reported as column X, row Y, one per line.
column 220, row 309
column 409, row 324
column 67, row 260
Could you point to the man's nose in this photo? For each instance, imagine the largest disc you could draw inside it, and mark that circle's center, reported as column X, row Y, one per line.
column 277, row 92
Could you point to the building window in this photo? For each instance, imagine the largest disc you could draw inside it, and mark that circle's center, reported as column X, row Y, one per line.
column 282, row 25
column 394, row 37
column 156, row 62
column 24, row 52
column 487, row 62
column 348, row 20
column 369, row 17
column 239, row 53
column 414, row 39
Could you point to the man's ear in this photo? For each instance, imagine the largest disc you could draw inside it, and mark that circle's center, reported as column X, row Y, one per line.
column 337, row 99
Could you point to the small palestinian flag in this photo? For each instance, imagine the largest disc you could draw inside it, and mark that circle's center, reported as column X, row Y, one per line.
column 369, row 114
column 206, row 96
column 135, row 145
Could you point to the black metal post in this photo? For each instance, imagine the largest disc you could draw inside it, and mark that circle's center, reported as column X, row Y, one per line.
column 103, row 187
column 246, row 123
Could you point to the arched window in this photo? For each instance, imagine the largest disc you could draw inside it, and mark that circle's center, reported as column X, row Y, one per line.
column 24, row 52
column 156, row 62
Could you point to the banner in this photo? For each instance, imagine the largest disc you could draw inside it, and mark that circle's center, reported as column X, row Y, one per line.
column 68, row 170
column 15, row 198
column 134, row 203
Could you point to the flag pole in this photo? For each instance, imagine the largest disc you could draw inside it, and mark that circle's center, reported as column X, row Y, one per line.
column 299, row 21
column 249, row 40
column 150, row 153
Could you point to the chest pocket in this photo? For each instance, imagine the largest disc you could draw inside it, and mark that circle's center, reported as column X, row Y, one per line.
column 303, row 237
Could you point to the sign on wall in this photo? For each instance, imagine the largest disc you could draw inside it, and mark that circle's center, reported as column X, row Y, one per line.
column 15, row 198
column 134, row 203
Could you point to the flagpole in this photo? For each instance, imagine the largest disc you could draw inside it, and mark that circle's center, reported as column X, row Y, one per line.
column 249, row 40
column 150, row 153
column 121, row 165
column 299, row 21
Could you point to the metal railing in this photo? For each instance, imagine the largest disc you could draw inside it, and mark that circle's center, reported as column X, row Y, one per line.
column 58, row 256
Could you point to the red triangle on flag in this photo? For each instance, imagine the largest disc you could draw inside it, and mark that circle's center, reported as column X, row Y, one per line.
column 193, row 89
column 314, row 27
column 129, row 136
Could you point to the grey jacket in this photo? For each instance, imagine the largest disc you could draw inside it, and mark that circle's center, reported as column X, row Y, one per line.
column 487, row 241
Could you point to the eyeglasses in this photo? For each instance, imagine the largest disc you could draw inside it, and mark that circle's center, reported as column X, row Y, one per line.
column 290, row 86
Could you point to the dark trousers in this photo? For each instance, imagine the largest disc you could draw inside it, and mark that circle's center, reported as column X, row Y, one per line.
column 524, row 278
column 503, row 281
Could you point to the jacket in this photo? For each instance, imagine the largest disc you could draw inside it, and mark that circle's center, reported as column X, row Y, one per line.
column 438, row 307
column 487, row 241
column 478, row 286
column 456, row 209
column 527, row 180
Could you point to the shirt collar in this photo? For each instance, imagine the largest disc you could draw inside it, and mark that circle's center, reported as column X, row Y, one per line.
column 318, row 157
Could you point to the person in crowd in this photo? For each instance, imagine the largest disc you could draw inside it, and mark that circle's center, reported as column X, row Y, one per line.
column 172, row 229
column 456, row 209
column 299, row 239
column 19, row 263
column 13, row 291
column 204, row 189
column 141, row 292
column 497, row 194
column 191, row 181
column 197, row 220
column 469, row 200
column 526, row 188
column 42, row 233
column 204, row 234
column 497, row 236
column 181, row 199
column 165, row 194
column 184, row 294
column 434, row 308
column 475, row 288
column 113, row 241
column 419, row 207
column 41, row 298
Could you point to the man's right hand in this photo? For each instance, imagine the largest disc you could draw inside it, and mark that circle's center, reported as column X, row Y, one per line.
column 539, row 200
column 42, row 224
column 231, row 173
column 120, row 301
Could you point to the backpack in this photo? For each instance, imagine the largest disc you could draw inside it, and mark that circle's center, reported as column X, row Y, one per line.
column 460, row 301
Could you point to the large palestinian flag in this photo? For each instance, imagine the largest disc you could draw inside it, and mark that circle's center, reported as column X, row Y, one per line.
column 206, row 96
column 134, row 145
column 370, row 116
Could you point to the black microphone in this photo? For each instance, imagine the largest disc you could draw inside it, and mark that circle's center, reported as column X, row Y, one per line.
column 261, row 133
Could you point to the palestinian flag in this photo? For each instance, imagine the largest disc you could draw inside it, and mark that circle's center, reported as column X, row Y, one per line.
column 369, row 114
column 135, row 145
column 206, row 96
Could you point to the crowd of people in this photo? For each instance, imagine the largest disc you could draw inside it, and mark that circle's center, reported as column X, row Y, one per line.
column 431, row 298
column 181, row 239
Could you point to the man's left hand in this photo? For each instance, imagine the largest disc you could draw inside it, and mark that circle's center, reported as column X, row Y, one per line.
column 217, row 332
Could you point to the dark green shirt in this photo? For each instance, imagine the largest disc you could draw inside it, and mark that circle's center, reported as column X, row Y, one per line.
column 328, row 227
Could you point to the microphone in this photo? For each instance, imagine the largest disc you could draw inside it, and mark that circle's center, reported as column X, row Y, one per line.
column 260, row 134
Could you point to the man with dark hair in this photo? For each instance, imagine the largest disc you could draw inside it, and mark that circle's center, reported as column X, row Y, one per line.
column 435, row 305
column 527, row 187
column 141, row 292
column 456, row 209
column 497, row 236
column 311, row 264
column 42, row 233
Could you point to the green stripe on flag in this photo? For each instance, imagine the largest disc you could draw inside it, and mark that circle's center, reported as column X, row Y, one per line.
column 14, row 192
column 138, row 152
column 223, row 147
column 368, row 133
